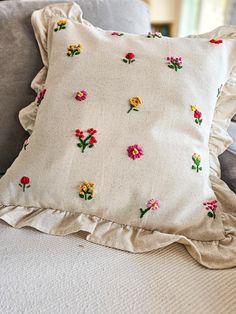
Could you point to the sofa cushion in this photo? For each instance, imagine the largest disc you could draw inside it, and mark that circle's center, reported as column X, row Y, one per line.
column 20, row 59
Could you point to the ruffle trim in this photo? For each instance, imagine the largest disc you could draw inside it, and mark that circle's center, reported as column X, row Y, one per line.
column 212, row 254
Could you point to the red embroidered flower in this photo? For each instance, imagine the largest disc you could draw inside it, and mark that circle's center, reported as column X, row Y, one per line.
column 92, row 140
column 88, row 141
column 24, row 183
column 91, row 131
column 216, row 41
column 117, row 34
column 197, row 114
column 40, row 96
column 175, row 63
column 79, row 133
column 81, row 95
column 129, row 58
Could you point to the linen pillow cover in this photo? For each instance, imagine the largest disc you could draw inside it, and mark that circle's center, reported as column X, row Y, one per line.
column 125, row 161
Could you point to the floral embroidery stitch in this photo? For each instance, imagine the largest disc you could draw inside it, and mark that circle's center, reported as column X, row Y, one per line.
column 175, row 63
column 152, row 204
column 135, row 151
column 154, row 35
column 134, row 103
column 60, row 25
column 24, row 183
column 117, row 34
column 216, row 41
column 219, row 90
column 74, row 50
column 197, row 115
column 26, row 143
column 40, row 96
column 89, row 141
column 197, row 162
column 87, row 190
column 211, row 207
column 81, row 95
column 129, row 58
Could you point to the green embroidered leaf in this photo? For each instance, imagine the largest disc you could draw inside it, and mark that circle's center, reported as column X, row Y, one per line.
column 89, row 197
column 135, row 109
column 77, row 53
column 132, row 60
column 196, row 120
column 79, row 145
column 200, row 168
column 200, row 121
column 20, row 185
column 28, row 186
column 63, row 27
column 125, row 61
column 210, row 214
column 90, row 146
column 56, row 29
column 193, row 167
column 171, row 66
column 81, row 196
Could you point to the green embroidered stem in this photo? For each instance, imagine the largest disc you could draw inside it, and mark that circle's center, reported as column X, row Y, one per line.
column 143, row 212
column 84, row 143
column 23, row 187
column 130, row 109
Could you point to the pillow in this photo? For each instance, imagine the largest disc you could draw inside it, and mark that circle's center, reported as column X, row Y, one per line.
column 20, row 65
column 127, row 162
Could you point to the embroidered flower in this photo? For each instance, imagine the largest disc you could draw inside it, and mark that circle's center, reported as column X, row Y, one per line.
column 40, row 96
column 74, row 50
column 135, row 151
column 219, row 90
column 87, row 141
column 26, row 143
column 60, row 25
column 154, row 35
column 81, row 95
column 129, row 58
column 117, row 34
column 24, row 183
column 211, row 207
column 152, row 204
column 87, row 190
column 197, row 114
column 175, row 63
column 134, row 103
column 216, row 41
column 197, row 162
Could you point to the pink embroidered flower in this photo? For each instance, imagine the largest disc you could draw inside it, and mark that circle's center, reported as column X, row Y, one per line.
column 40, row 96
column 129, row 58
column 26, row 143
column 152, row 204
column 211, row 207
column 24, row 183
column 175, row 63
column 154, row 35
column 81, row 95
column 135, row 151
column 117, row 34
column 216, row 41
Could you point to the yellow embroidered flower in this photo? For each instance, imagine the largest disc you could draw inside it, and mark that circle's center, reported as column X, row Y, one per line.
column 87, row 190
column 196, row 156
column 73, row 50
column 134, row 102
column 61, row 22
column 193, row 108
column 60, row 25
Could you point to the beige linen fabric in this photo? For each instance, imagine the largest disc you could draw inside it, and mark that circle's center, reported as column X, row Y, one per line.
column 164, row 128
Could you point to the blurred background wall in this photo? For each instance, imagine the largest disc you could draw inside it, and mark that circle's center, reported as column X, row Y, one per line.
column 184, row 17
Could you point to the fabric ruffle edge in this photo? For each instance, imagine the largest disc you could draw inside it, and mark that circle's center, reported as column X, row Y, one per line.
column 212, row 254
